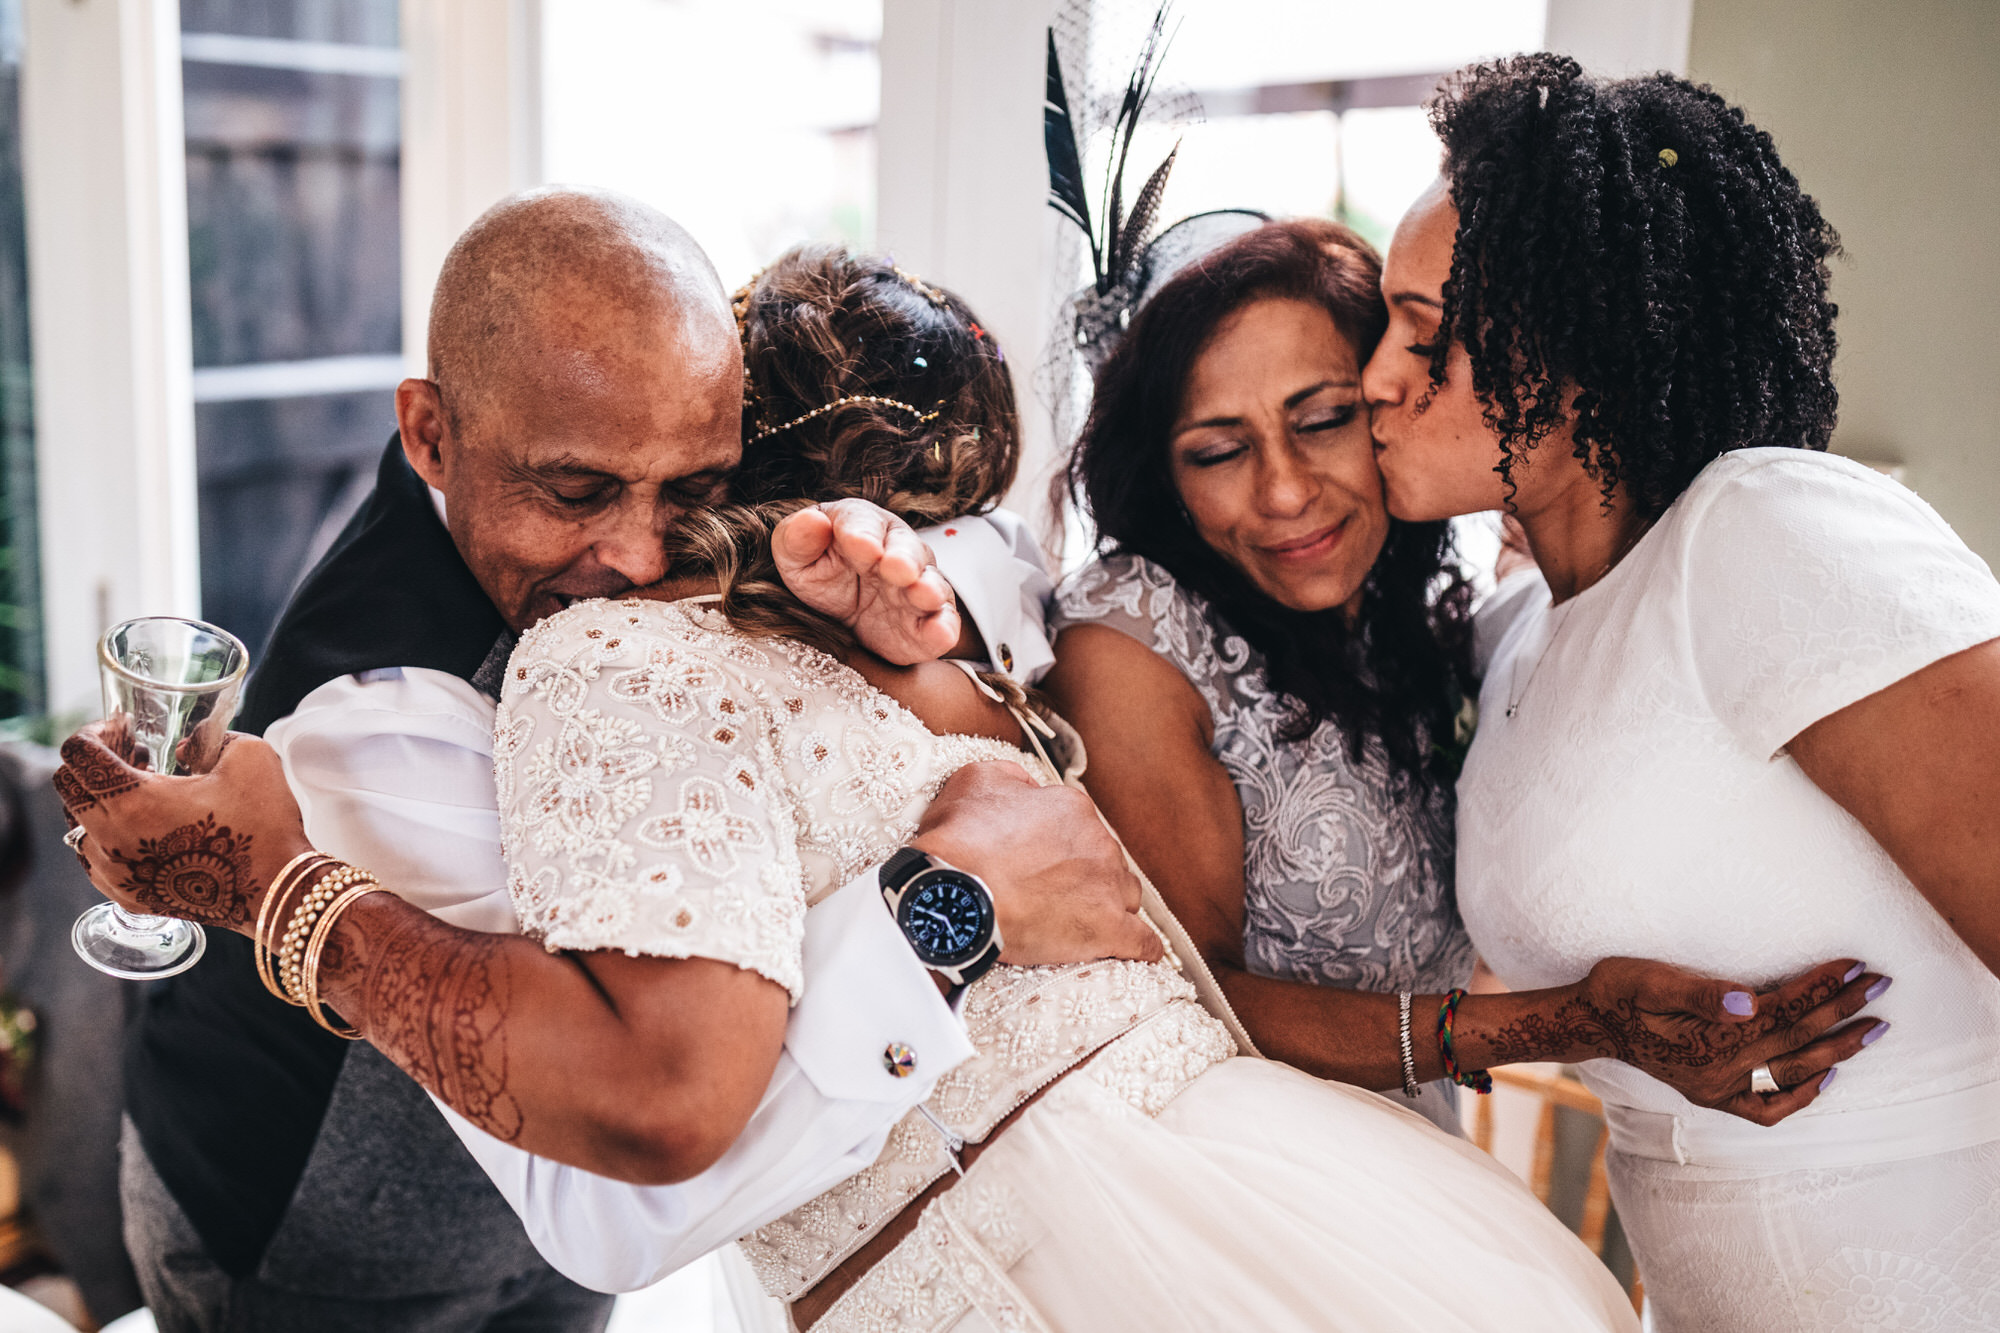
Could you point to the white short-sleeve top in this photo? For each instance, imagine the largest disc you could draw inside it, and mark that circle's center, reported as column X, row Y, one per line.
column 1640, row 802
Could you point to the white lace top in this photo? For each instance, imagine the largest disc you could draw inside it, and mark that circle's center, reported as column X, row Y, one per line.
column 1641, row 802
column 1347, row 880
column 671, row 786
column 654, row 764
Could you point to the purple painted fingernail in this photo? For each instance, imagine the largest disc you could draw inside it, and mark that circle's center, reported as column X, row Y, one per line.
column 1854, row 972
column 1874, row 992
column 1827, row 1082
column 1874, row 1034
column 1740, row 1002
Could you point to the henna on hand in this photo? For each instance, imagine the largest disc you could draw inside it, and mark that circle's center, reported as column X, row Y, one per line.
column 90, row 774
column 200, row 871
column 1614, row 1014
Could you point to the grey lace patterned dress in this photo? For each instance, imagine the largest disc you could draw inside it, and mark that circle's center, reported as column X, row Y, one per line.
column 1347, row 882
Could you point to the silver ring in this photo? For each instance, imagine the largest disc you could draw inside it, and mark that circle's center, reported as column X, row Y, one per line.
column 75, row 837
column 1761, row 1080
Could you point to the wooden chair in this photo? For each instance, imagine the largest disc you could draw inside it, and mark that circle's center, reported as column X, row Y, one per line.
column 1557, row 1089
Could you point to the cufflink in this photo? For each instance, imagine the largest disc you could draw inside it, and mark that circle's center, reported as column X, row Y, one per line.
column 1006, row 659
column 899, row 1059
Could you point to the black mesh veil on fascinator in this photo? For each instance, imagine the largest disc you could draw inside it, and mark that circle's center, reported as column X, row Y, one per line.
column 1128, row 262
column 1102, row 317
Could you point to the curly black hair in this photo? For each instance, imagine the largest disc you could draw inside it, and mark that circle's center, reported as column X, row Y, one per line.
column 1634, row 256
column 1397, row 672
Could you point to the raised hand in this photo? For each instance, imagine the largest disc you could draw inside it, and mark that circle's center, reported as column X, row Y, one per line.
column 864, row 567
column 1061, row 889
column 1702, row 1036
column 157, row 845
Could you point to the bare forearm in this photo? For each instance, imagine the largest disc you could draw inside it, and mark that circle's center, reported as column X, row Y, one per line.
column 1351, row 1036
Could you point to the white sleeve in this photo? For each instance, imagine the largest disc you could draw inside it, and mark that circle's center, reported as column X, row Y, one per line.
column 1812, row 582
column 394, row 772
column 826, row 1115
column 996, row 568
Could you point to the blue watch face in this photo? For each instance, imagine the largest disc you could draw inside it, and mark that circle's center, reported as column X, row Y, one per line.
column 947, row 920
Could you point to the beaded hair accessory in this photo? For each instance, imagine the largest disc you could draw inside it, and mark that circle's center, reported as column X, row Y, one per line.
column 739, row 304
column 930, row 293
column 922, row 416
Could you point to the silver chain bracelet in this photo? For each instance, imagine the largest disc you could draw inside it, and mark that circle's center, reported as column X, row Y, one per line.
column 1410, row 1088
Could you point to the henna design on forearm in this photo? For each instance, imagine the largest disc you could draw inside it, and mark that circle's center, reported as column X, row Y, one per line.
column 435, row 1000
column 200, row 871
column 1618, row 1031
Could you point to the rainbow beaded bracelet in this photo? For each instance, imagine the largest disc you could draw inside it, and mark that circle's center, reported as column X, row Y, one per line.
column 1478, row 1080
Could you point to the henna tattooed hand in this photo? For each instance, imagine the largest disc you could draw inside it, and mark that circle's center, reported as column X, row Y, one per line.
column 1702, row 1036
column 202, row 847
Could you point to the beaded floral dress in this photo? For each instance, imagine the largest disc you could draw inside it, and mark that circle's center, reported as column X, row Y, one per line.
column 671, row 786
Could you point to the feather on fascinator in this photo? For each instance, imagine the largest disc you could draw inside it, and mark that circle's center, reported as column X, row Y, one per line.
column 1127, row 263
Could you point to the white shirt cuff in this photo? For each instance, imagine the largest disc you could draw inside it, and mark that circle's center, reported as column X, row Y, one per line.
column 866, row 992
column 995, row 568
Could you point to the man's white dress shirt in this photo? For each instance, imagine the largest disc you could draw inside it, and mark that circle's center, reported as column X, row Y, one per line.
column 393, row 770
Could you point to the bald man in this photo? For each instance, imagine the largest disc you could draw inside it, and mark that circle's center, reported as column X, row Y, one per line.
column 585, row 392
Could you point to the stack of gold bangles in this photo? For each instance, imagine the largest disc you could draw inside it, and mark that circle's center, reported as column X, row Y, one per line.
column 288, row 962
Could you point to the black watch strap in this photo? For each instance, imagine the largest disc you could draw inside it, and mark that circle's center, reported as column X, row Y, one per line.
column 897, row 869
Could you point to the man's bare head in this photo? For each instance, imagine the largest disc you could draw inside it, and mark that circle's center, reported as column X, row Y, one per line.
column 585, row 390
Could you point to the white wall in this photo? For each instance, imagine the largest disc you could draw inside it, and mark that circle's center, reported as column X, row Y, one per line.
column 472, row 131
column 1619, row 38
column 1889, row 114
column 104, row 164
column 962, row 183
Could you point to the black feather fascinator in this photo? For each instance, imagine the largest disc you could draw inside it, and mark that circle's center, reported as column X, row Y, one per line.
column 1127, row 262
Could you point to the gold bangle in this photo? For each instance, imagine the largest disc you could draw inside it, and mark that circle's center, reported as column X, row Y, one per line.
column 271, row 911
column 322, row 932
column 272, row 893
column 291, row 949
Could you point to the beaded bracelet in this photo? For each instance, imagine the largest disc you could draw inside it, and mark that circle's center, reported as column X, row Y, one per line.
column 1478, row 1080
column 292, row 949
column 272, row 912
column 322, row 932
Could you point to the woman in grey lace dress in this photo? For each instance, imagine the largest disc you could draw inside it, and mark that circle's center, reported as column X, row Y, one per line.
column 1268, row 673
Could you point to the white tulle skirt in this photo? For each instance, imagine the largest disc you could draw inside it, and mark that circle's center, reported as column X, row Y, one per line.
column 1259, row 1198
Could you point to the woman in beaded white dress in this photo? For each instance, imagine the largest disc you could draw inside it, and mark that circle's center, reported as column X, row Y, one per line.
column 656, row 758
column 1751, row 715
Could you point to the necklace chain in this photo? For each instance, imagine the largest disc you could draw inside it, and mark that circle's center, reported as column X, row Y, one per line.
column 1513, row 699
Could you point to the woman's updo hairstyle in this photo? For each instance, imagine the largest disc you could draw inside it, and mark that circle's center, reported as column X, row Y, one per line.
column 822, row 325
column 1396, row 673
column 861, row 381
column 1633, row 255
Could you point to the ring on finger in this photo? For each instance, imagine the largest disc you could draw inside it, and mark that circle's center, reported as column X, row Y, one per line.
column 74, row 838
column 1761, row 1080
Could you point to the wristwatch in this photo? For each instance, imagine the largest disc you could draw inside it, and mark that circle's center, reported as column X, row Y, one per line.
column 945, row 913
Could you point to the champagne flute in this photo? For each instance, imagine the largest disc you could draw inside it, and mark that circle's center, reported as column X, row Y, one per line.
column 170, row 688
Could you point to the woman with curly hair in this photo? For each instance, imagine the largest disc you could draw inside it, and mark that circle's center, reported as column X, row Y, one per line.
column 1267, row 669
column 1752, row 722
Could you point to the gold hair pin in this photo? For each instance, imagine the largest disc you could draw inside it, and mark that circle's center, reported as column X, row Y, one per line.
column 931, row 294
